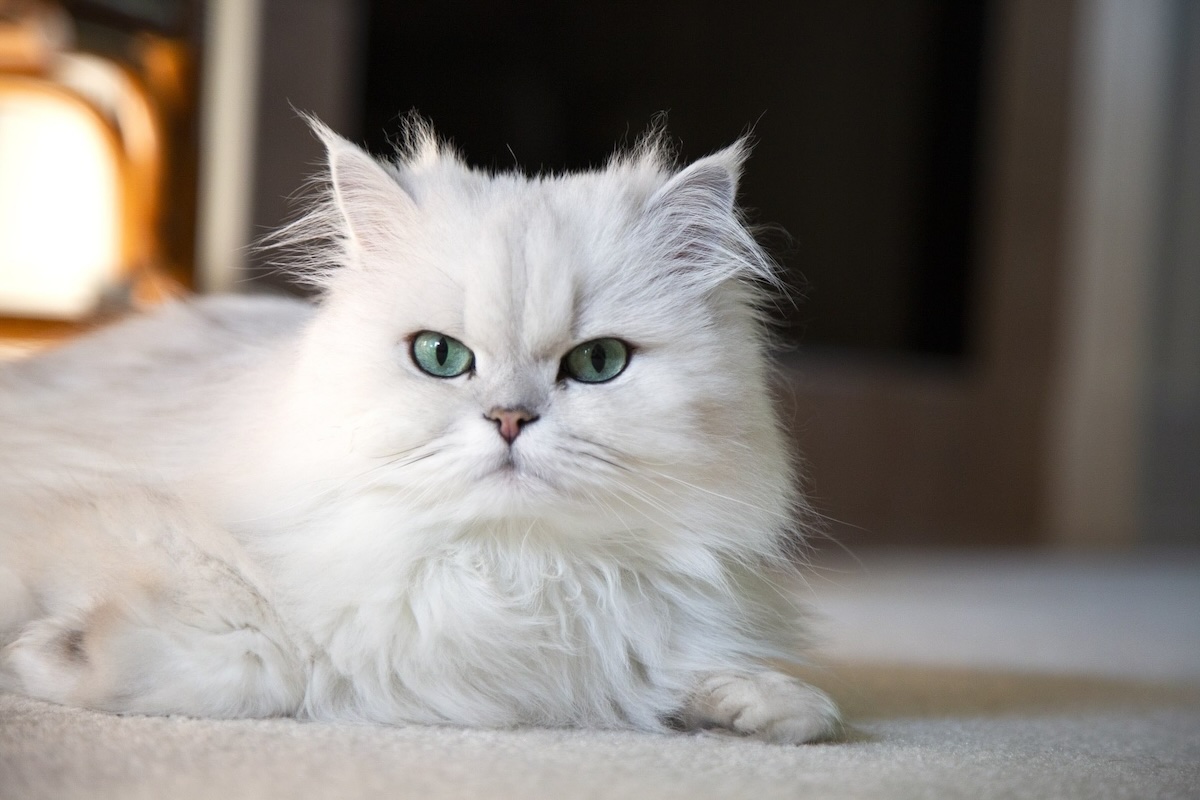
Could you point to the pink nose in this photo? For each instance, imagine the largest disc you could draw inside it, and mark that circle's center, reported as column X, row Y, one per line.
column 510, row 421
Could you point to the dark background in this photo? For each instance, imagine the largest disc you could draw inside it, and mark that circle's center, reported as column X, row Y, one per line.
column 865, row 118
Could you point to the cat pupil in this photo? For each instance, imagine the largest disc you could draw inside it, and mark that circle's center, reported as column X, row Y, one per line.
column 440, row 351
column 598, row 358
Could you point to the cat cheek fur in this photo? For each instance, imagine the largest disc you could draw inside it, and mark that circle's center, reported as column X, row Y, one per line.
column 624, row 563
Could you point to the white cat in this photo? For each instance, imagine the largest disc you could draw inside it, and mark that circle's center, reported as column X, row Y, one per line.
column 518, row 466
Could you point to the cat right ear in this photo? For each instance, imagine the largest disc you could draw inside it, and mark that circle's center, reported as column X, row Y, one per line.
column 368, row 197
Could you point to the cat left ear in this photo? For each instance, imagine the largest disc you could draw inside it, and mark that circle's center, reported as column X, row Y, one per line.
column 695, row 216
column 705, row 188
column 367, row 195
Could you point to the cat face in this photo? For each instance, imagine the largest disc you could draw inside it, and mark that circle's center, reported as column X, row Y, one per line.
column 582, row 348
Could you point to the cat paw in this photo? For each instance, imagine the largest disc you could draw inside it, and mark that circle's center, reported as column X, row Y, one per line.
column 764, row 705
column 146, row 656
column 49, row 661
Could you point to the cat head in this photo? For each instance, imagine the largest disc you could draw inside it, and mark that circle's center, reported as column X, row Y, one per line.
column 581, row 352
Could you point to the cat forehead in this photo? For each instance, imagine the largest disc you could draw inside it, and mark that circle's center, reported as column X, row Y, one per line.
column 532, row 259
column 633, row 249
column 576, row 202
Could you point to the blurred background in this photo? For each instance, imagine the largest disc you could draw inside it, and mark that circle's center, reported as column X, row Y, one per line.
column 992, row 208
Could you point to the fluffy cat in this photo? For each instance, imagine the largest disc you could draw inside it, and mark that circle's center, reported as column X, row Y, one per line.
column 518, row 466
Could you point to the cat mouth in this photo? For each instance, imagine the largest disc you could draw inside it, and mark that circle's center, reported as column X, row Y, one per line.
column 515, row 471
column 507, row 465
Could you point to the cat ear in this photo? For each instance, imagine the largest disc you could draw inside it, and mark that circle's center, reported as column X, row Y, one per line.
column 368, row 197
column 695, row 218
column 705, row 188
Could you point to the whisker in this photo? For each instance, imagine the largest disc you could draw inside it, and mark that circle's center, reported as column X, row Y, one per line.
column 717, row 494
column 403, row 452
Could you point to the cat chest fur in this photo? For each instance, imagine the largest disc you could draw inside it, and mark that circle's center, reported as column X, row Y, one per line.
column 502, row 634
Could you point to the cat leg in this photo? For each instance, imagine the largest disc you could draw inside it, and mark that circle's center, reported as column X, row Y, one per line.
column 134, row 602
column 762, row 704
column 150, row 651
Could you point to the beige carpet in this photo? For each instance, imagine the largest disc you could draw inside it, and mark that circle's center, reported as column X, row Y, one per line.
column 962, row 676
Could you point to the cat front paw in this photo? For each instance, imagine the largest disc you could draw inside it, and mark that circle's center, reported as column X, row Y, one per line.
column 765, row 705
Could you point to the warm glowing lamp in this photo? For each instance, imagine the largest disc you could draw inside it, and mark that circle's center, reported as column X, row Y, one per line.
column 61, row 206
column 81, row 165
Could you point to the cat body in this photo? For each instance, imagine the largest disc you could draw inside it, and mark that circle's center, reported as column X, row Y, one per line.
column 250, row 506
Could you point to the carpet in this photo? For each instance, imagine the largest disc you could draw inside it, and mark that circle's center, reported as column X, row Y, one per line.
column 961, row 675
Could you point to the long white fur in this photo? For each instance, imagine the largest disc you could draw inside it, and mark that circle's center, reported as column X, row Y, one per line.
column 248, row 506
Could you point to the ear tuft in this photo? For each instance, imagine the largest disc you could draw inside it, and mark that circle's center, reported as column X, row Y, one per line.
column 419, row 143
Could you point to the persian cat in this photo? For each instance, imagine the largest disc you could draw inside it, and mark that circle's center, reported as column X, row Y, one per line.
column 517, row 466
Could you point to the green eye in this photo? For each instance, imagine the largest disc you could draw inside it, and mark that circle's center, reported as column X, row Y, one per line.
column 441, row 356
column 597, row 361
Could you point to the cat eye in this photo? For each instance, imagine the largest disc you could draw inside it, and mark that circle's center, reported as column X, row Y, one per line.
column 597, row 361
column 440, row 355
